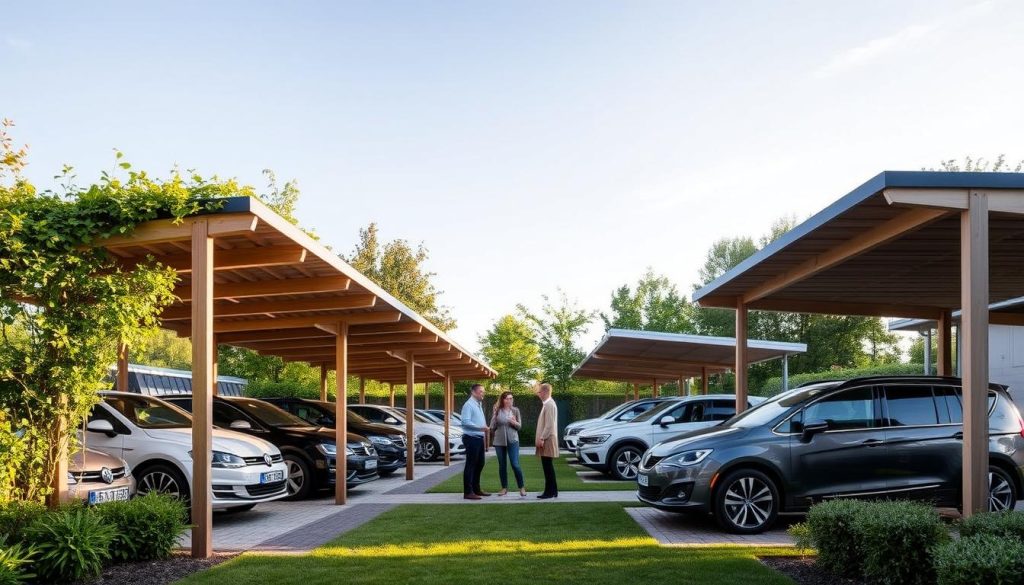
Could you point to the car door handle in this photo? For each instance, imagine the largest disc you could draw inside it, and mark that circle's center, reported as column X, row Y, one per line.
column 873, row 443
column 959, row 436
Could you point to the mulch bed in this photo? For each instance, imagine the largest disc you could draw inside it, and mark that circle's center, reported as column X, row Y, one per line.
column 804, row 571
column 163, row 572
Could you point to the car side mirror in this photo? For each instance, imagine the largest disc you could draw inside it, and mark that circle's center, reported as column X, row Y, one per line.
column 101, row 426
column 240, row 425
column 811, row 429
column 667, row 421
column 391, row 420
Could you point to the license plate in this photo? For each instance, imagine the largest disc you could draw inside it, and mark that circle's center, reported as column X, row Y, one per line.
column 641, row 479
column 271, row 476
column 111, row 495
column 370, row 464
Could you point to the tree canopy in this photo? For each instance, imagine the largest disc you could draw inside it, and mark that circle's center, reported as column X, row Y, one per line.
column 511, row 348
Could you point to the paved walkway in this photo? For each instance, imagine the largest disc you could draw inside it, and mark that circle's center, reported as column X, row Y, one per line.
column 679, row 530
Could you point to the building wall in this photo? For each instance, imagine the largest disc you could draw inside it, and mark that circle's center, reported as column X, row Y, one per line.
column 1006, row 358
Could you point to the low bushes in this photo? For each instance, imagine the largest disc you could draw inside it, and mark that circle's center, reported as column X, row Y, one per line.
column 830, row 529
column 995, row 524
column 70, row 543
column 147, row 527
column 982, row 559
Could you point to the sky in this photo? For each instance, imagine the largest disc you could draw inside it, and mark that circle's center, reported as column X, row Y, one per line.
column 531, row 146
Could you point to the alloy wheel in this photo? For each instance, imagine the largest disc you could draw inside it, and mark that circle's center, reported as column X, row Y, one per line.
column 161, row 483
column 430, row 449
column 749, row 502
column 296, row 477
column 627, row 463
column 1000, row 493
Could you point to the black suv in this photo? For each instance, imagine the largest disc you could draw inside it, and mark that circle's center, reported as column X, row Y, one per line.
column 387, row 440
column 872, row 437
column 309, row 451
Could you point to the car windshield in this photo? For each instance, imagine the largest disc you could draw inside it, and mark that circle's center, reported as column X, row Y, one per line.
column 775, row 406
column 150, row 413
column 657, row 410
column 332, row 408
column 419, row 416
column 267, row 414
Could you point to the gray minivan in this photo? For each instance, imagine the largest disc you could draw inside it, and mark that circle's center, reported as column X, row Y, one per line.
column 878, row 437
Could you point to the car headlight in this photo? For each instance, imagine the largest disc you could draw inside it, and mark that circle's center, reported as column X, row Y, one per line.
column 71, row 479
column 226, row 460
column 686, row 458
column 378, row 440
column 349, row 451
column 329, row 449
column 594, row 439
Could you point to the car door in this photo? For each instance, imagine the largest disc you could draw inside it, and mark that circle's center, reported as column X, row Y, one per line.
column 923, row 443
column 688, row 416
column 849, row 457
column 111, row 445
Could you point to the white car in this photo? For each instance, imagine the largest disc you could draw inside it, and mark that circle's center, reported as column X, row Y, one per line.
column 155, row 438
column 617, row 447
column 624, row 412
column 429, row 433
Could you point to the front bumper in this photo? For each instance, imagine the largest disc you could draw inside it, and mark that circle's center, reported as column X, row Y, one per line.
column 389, row 458
column 359, row 468
column 594, row 456
column 686, row 489
column 80, row 490
column 244, row 485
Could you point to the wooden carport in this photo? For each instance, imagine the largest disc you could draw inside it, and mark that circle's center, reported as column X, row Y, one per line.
column 248, row 278
column 903, row 244
column 642, row 357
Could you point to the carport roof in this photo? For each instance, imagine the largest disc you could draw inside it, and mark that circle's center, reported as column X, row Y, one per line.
column 1009, row 312
column 643, row 357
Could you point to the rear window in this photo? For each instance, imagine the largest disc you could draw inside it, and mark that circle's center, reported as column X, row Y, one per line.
column 910, row 406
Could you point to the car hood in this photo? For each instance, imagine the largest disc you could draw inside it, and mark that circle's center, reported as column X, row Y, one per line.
column 696, row 439
column 581, row 423
column 378, row 429
column 600, row 428
column 89, row 460
column 223, row 440
column 322, row 433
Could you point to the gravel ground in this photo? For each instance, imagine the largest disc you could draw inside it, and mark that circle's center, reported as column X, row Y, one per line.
column 157, row 572
column 804, row 571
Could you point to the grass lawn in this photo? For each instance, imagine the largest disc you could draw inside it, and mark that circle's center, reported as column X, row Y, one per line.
column 568, row 481
column 591, row 544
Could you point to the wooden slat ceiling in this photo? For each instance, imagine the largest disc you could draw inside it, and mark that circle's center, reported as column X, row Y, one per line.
column 280, row 293
column 915, row 275
column 643, row 357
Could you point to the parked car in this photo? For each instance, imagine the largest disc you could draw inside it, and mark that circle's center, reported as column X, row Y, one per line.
column 97, row 478
column 622, row 413
column 387, row 440
column 309, row 451
column 870, row 437
column 617, row 447
column 155, row 438
column 430, row 434
column 438, row 414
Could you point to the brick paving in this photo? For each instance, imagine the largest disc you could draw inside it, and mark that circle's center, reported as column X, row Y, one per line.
column 680, row 530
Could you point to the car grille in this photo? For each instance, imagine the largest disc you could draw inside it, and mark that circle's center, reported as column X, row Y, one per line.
column 649, row 492
column 264, row 489
column 399, row 441
column 650, row 461
column 362, row 449
column 259, row 459
column 96, row 476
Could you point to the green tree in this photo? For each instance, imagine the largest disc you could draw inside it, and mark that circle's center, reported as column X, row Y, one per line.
column 399, row 269
column 654, row 305
column 557, row 330
column 511, row 349
column 163, row 349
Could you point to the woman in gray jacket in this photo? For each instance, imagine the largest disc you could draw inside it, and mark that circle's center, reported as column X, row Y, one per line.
column 505, row 424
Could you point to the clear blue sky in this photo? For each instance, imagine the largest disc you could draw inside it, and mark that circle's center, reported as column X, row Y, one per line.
column 530, row 145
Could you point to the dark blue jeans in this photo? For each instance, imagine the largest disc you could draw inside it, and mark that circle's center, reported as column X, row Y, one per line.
column 474, row 464
column 512, row 453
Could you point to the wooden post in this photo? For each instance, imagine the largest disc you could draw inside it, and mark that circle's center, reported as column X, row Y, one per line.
column 391, row 392
column 636, row 391
column 426, row 396
column 122, row 368
column 945, row 361
column 682, row 386
column 323, row 382
column 447, row 420
column 655, row 389
column 202, row 383
column 410, row 409
column 59, row 481
column 704, row 380
column 341, row 420
column 362, row 390
column 741, row 356
column 213, row 367
column 974, row 291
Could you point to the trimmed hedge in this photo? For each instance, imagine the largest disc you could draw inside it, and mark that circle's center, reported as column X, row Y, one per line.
column 982, row 559
column 830, row 526
column 1010, row 524
column 773, row 386
column 147, row 527
column 896, row 539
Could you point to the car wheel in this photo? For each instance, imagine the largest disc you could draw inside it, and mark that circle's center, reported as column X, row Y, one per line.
column 1001, row 493
column 298, row 476
column 162, row 479
column 431, row 449
column 625, row 463
column 747, row 502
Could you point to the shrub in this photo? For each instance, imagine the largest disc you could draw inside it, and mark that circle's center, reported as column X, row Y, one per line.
column 995, row 524
column 801, row 534
column 15, row 516
column 773, row 386
column 147, row 527
column 982, row 559
column 14, row 563
column 896, row 540
column 830, row 530
column 70, row 543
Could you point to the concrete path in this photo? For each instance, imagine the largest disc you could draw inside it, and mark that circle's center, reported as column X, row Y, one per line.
column 679, row 530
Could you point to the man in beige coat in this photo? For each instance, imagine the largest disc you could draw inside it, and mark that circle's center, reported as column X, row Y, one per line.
column 547, row 440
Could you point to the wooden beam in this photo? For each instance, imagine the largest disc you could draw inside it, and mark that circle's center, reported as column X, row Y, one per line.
column 324, row 322
column 741, row 356
column 320, row 343
column 667, row 364
column 974, row 291
column 885, row 232
column 846, row 308
column 122, row 367
column 347, row 302
column 330, row 325
column 269, row 288
column 999, row 200
column 274, row 335
column 323, row 381
column 997, row 318
column 391, row 400
column 341, row 420
column 362, row 390
column 234, row 259
column 704, row 381
column 636, row 391
column 405, row 327
column 945, row 328
column 202, row 382
column 392, row 338
column 162, row 231
column 410, row 410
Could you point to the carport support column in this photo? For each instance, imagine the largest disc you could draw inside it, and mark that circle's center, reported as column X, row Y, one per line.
column 391, row 394
column 447, row 420
column 704, row 381
column 928, row 351
column 202, row 384
column 741, row 356
column 122, row 367
column 946, row 342
column 426, row 396
column 410, row 411
column 323, row 382
column 785, row 371
column 362, row 390
column 655, row 390
column 636, row 391
column 974, row 274
column 341, row 420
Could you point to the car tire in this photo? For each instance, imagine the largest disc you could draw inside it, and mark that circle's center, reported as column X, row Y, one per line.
column 237, row 509
column 162, row 479
column 1002, row 494
column 431, row 450
column 298, row 476
column 625, row 462
column 746, row 502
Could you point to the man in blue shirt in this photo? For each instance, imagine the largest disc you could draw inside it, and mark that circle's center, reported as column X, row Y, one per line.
column 474, row 425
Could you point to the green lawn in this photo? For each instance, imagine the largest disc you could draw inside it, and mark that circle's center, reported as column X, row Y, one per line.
column 591, row 544
column 568, row 481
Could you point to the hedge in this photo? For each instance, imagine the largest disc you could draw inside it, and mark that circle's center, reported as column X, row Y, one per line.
column 773, row 386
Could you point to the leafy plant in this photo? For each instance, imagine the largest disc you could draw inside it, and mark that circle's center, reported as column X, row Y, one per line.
column 896, row 540
column 147, row 527
column 830, row 528
column 1010, row 524
column 982, row 559
column 15, row 563
column 71, row 543
column 17, row 515
column 801, row 534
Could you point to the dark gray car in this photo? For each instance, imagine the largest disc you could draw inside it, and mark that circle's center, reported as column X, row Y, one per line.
column 869, row 437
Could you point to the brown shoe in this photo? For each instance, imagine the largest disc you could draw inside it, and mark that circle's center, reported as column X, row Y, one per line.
column 471, row 497
column 483, row 493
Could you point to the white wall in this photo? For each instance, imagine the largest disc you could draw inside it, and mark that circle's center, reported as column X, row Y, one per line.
column 1006, row 358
